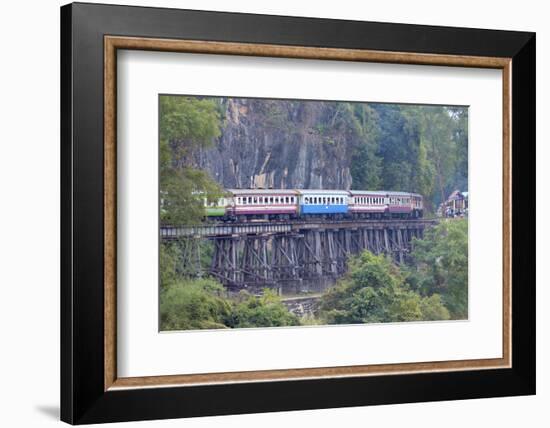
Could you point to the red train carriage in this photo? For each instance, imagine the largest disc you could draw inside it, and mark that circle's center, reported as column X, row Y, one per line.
column 417, row 205
column 367, row 204
column 401, row 204
column 265, row 204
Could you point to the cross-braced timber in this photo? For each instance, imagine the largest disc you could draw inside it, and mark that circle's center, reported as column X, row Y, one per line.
column 296, row 253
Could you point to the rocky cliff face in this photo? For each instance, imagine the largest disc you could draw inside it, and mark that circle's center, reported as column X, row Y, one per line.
column 279, row 144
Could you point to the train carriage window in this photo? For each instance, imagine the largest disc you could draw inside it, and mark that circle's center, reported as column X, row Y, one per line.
column 306, row 200
column 255, row 200
column 271, row 200
column 286, row 199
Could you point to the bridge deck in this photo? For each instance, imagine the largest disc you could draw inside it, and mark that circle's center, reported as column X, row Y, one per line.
column 220, row 230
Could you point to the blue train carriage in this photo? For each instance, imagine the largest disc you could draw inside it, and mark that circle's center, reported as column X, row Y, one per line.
column 323, row 203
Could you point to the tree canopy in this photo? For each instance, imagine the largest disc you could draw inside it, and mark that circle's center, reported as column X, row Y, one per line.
column 186, row 125
column 374, row 290
column 417, row 148
column 440, row 265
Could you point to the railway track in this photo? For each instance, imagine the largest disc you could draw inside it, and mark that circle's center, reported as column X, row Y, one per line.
column 212, row 230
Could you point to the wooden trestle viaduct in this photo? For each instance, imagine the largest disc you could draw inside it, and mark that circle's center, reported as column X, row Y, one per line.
column 298, row 254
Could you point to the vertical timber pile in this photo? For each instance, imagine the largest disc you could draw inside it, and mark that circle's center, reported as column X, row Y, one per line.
column 298, row 256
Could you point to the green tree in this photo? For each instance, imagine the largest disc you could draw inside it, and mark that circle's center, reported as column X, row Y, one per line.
column 193, row 304
column 374, row 291
column 440, row 265
column 187, row 125
column 421, row 149
column 168, row 262
column 366, row 165
column 266, row 310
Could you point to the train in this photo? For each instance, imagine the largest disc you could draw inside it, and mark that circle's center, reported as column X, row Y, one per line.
column 242, row 205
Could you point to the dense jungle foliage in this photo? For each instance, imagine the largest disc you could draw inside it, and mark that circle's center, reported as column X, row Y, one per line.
column 433, row 287
column 416, row 148
column 420, row 149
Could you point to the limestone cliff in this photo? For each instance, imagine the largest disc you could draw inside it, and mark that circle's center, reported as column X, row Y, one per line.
column 280, row 144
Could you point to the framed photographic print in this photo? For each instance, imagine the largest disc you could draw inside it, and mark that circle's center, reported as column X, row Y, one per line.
column 265, row 213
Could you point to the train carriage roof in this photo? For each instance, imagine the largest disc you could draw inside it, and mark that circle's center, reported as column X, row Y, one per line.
column 260, row 192
column 322, row 192
column 368, row 192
